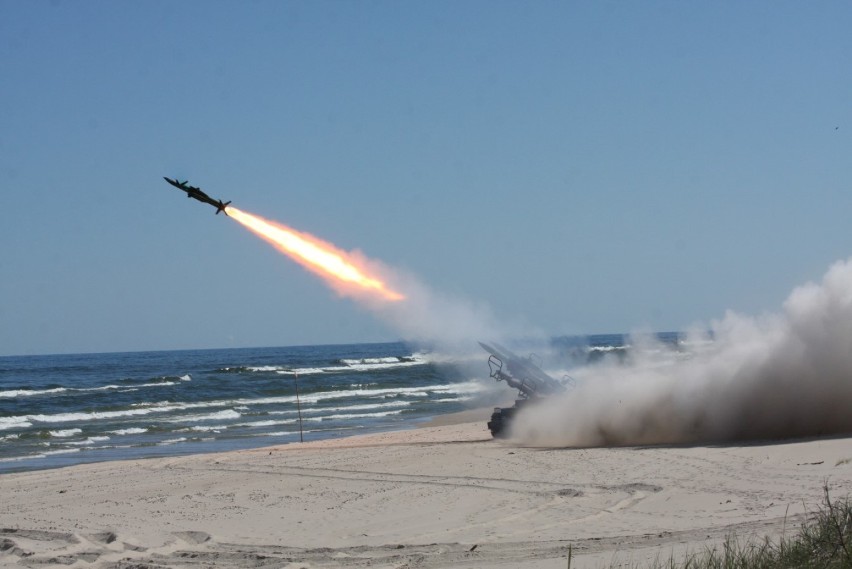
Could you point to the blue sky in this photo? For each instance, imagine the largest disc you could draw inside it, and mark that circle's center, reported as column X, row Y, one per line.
column 583, row 167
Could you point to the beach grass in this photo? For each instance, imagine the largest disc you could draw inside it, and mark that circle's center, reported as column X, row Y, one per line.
column 824, row 540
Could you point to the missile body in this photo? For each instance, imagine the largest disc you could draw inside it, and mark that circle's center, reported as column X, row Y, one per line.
column 193, row 192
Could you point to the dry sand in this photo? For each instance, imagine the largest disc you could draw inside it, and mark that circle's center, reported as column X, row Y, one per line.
column 442, row 496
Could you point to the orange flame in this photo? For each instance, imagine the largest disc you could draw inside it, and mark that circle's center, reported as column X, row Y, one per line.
column 337, row 267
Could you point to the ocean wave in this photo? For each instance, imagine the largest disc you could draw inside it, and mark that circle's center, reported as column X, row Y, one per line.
column 22, row 421
column 342, row 365
column 130, row 431
column 422, row 391
column 605, row 349
column 390, row 404
column 268, row 423
column 218, row 416
column 60, row 451
column 77, row 417
column 17, row 393
column 44, row 454
column 141, row 409
column 311, row 416
column 354, row 365
column 205, row 428
column 316, row 410
column 7, row 423
column 386, row 360
column 451, row 400
column 306, row 370
column 127, row 387
column 14, row 393
column 283, row 433
column 88, row 441
column 65, row 433
column 464, row 388
column 354, row 416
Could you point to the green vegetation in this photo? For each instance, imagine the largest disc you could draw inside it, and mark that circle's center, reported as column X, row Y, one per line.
column 824, row 541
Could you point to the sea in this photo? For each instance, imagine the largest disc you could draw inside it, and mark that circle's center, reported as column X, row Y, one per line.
column 61, row 410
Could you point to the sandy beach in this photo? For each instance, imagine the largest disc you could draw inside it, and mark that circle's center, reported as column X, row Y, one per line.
column 441, row 496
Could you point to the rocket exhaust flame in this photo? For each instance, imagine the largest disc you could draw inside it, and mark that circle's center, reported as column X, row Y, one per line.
column 343, row 271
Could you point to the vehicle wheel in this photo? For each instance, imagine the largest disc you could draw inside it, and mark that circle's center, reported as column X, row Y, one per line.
column 499, row 423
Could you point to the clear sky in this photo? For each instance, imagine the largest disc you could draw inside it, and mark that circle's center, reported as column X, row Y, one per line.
column 583, row 167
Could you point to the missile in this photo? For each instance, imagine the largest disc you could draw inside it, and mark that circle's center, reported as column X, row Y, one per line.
column 193, row 192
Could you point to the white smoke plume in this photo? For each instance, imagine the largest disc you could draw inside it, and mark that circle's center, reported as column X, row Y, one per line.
column 448, row 324
column 777, row 376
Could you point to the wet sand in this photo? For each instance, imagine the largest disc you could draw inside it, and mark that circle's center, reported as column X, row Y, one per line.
column 438, row 496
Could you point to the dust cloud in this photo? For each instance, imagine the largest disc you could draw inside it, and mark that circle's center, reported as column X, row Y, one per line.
column 747, row 378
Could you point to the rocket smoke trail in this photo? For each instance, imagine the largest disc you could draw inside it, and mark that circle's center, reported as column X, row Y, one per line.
column 786, row 375
column 411, row 308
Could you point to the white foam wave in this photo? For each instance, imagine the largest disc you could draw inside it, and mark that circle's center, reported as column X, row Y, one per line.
column 29, row 392
column 7, row 423
column 304, row 371
column 140, row 409
column 172, row 441
column 88, row 441
column 366, row 366
column 353, row 416
column 22, row 457
column 130, row 431
column 75, row 417
column 65, row 433
column 316, row 410
column 113, row 387
column 15, row 393
column 351, row 364
column 423, row 391
column 218, row 416
column 606, row 349
column 350, row 367
column 467, row 387
column 59, row 451
column 268, row 423
column 386, row 360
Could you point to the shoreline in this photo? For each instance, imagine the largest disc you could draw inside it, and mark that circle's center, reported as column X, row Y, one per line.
column 69, row 458
column 438, row 496
column 478, row 414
